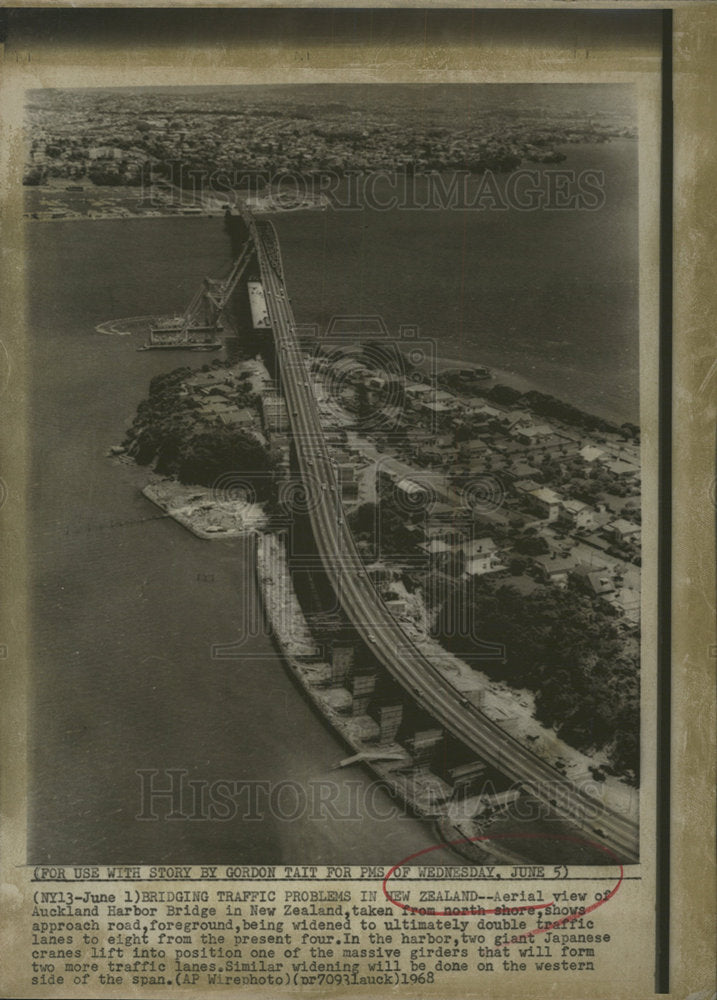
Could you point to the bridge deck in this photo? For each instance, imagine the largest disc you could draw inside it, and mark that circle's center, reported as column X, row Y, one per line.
column 371, row 618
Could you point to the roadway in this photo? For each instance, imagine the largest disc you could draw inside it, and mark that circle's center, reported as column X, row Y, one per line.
column 373, row 621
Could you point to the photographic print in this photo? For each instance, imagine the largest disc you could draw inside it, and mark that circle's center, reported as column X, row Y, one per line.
column 336, row 482
column 358, row 501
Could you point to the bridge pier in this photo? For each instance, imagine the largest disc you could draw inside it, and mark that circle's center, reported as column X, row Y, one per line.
column 342, row 662
column 423, row 747
column 362, row 688
column 463, row 778
column 389, row 721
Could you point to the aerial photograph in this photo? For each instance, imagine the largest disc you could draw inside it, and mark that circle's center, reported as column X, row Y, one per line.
column 335, row 492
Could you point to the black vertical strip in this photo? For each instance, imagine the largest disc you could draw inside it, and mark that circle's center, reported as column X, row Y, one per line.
column 664, row 686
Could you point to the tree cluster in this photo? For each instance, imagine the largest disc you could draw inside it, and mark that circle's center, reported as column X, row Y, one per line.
column 566, row 648
column 169, row 431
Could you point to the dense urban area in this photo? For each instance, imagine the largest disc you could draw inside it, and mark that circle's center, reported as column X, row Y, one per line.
column 99, row 139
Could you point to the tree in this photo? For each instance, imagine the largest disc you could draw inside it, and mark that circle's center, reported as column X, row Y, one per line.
column 565, row 647
column 517, row 565
column 207, row 457
column 462, row 431
column 363, row 519
column 504, row 394
column 168, row 429
column 531, row 545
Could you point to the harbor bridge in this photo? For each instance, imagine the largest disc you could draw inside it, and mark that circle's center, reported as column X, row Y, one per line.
column 363, row 606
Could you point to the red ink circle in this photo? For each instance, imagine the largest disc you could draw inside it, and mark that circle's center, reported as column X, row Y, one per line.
column 506, row 910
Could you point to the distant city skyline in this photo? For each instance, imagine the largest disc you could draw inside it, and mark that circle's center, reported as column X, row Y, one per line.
column 114, row 137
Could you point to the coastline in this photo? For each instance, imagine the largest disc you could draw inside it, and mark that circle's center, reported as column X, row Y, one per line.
column 202, row 512
column 548, row 379
column 526, row 383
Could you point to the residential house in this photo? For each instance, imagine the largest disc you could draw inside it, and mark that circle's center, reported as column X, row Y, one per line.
column 596, row 582
column 532, row 433
column 591, row 453
column 522, row 470
column 436, row 546
column 207, row 382
column 447, row 398
column 546, row 501
column 274, row 414
column 443, row 511
column 558, row 447
column 513, row 419
column 523, row 487
column 452, row 534
column 445, row 442
column 432, row 454
column 366, row 482
column 475, row 448
column 231, row 417
column 348, row 483
column 481, row 556
column 555, row 569
column 417, row 392
column 621, row 469
column 411, row 492
column 479, row 408
column 576, row 515
column 626, row 600
column 397, row 606
column 623, row 531
column 436, row 409
column 391, row 417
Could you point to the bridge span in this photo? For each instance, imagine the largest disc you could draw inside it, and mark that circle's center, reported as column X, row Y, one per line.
column 373, row 621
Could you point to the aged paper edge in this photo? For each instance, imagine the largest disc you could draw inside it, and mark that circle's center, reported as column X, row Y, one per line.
column 694, row 649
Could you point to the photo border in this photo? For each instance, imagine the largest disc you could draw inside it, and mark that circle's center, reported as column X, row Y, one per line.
column 693, row 466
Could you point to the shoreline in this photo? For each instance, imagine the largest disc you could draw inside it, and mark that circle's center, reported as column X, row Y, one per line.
column 551, row 381
column 525, row 383
column 201, row 511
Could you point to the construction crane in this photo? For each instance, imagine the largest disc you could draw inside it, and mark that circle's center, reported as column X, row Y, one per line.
column 198, row 327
